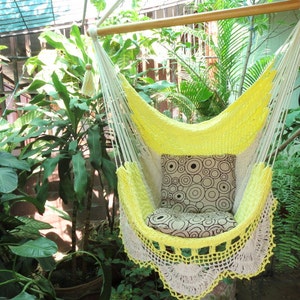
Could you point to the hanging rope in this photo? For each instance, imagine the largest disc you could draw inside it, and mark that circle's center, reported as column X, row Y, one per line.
column 279, row 104
column 128, row 143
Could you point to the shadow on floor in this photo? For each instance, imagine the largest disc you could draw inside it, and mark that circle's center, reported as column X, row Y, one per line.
column 284, row 286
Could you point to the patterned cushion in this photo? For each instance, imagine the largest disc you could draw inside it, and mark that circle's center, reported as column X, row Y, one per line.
column 193, row 225
column 198, row 184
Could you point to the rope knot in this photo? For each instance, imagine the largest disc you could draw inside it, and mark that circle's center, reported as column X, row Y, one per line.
column 92, row 31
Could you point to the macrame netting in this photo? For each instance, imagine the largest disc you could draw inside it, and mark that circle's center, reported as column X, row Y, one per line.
column 250, row 128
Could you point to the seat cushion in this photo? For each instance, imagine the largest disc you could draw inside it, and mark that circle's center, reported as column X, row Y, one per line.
column 198, row 184
column 191, row 225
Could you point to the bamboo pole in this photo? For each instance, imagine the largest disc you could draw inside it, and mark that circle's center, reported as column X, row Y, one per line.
column 253, row 10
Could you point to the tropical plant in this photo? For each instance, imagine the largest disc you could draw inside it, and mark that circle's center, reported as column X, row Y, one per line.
column 129, row 281
column 67, row 123
column 22, row 247
column 71, row 127
column 208, row 84
column 61, row 128
column 286, row 186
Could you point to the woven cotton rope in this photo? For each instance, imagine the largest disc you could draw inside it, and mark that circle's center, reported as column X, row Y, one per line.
column 198, row 184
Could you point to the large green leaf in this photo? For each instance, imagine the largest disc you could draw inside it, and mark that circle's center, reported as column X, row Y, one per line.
column 35, row 85
column 98, row 159
column 34, row 224
column 9, row 222
column 30, row 228
column 41, row 247
column 34, row 200
column 32, row 63
column 61, row 90
column 65, row 96
column 80, row 175
column 24, row 296
column 60, row 212
column 109, row 171
column 49, row 165
column 8, row 180
column 8, row 160
column 54, row 39
column 19, row 126
column 60, row 42
column 39, row 99
column 75, row 32
column 66, row 187
column 94, row 143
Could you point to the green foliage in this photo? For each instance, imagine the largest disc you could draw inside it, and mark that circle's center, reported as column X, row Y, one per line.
column 124, row 52
column 286, row 187
column 13, row 170
column 255, row 71
column 22, row 248
column 130, row 281
column 70, row 124
column 99, row 4
column 8, row 174
column 210, row 84
column 139, row 283
column 38, row 248
column 64, row 130
column 3, row 59
column 8, row 180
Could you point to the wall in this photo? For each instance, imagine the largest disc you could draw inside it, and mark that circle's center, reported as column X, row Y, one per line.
column 281, row 25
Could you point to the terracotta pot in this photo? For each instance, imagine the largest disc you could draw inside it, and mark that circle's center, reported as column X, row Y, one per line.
column 83, row 291
column 69, row 288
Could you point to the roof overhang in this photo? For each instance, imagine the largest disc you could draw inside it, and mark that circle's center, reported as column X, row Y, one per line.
column 26, row 16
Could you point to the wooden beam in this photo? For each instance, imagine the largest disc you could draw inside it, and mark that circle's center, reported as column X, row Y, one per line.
column 253, row 10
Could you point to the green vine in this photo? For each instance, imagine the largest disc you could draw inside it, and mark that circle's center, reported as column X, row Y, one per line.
column 286, row 187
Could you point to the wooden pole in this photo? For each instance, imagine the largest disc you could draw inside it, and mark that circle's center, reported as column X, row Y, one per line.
column 203, row 17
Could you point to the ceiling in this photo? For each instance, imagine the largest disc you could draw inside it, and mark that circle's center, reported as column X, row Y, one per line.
column 21, row 16
column 26, row 16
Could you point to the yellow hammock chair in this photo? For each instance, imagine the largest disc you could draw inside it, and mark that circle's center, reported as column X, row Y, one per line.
column 195, row 199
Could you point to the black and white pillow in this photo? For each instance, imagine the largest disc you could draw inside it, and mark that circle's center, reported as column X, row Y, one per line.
column 190, row 225
column 198, row 184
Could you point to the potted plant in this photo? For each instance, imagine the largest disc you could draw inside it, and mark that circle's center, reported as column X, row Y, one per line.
column 25, row 255
column 65, row 132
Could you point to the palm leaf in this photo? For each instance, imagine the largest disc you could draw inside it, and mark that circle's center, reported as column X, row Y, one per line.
column 255, row 71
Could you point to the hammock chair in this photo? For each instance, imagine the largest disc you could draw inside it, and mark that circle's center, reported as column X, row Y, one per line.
column 195, row 199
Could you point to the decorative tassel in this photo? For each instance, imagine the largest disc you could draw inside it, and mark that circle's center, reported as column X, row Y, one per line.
column 88, row 87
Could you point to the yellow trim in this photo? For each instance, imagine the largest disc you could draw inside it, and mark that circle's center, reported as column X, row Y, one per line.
column 136, row 203
column 232, row 131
